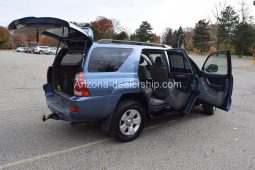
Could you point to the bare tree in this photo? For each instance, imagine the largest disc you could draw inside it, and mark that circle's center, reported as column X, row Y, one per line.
column 244, row 11
column 218, row 8
column 116, row 26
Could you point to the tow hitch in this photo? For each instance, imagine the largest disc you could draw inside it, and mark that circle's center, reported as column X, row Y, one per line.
column 50, row 116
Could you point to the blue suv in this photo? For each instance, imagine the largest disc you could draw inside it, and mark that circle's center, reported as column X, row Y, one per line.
column 123, row 83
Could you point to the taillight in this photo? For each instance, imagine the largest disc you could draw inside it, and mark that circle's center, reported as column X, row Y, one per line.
column 80, row 88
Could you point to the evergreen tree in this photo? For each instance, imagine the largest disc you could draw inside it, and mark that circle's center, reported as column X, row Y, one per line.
column 167, row 37
column 144, row 32
column 180, row 37
column 121, row 36
column 228, row 22
column 201, row 36
column 244, row 38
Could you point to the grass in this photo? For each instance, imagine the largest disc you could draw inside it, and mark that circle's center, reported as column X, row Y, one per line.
column 244, row 57
column 192, row 53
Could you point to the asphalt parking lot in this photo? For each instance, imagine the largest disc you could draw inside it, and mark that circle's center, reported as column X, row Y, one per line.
column 225, row 140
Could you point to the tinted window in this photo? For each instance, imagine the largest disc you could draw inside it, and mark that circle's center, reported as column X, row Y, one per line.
column 107, row 59
column 153, row 54
column 217, row 64
column 179, row 64
column 72, row 58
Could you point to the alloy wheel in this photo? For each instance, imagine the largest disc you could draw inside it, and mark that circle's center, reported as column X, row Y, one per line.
column 130, row 122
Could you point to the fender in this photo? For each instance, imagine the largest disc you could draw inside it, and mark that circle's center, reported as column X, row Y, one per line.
column 114, row 100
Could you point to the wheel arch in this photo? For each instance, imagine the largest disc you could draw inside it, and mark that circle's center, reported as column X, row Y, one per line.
column 138, row 96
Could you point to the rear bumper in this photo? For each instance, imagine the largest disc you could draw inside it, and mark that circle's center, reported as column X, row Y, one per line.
column 93, row 108
column 60, row 109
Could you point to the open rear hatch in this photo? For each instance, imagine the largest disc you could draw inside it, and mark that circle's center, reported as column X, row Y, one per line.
column 68, row 62
column 53, row 27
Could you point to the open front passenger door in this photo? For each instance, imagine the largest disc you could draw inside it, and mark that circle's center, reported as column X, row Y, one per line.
column 217, row 80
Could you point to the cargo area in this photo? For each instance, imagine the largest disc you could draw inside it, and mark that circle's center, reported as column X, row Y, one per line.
column 67, row 64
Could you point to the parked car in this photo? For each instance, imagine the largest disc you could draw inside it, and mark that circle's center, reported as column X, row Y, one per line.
column 21, row 49
column 51, row 50
column 75, row 90
column 25, row 49
column 40, row 49
column 30, row 49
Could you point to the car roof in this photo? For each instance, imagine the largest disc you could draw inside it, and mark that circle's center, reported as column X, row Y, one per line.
column 130, row 44
column 140, row 47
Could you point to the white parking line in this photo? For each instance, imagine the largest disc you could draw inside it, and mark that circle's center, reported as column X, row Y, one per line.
column 52, row 154
column 11, row 164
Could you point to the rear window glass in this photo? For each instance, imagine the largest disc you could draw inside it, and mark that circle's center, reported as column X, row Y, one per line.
column 107, row 59
column 178, row 63
column 72, row 58
column 154, row 56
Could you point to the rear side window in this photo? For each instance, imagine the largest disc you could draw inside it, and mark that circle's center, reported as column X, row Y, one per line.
column 179, row 64
column 72, row 58
column 108, row 59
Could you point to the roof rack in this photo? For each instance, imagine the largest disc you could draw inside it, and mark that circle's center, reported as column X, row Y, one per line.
column 111, row 41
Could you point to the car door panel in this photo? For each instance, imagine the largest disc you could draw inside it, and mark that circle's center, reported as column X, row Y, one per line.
column 181, row 97
column 215, row 81
column 217, row 85
column 185, row 80
column 176, row 98
column 211, row 94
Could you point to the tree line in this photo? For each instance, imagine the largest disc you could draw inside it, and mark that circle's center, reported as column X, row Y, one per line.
column 229, row 31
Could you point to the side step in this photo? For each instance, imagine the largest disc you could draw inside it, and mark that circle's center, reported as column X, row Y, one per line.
column 163, row 113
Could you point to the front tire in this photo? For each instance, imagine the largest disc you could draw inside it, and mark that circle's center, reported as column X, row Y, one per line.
column 208, row 109
column 41, row 52
column 128, row 121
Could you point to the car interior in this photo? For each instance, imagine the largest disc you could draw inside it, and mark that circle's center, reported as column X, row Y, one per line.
column 153, row 68
column 66, row 65
column 181, row 73
column 152, row 72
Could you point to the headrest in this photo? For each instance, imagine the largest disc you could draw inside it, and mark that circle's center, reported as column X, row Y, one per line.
column 158, row 61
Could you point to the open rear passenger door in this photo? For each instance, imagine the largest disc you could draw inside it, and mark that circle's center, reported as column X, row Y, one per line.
column 184, row 91
column 217, row 80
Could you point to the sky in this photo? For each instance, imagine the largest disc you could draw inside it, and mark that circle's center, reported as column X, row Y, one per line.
column 130, row 13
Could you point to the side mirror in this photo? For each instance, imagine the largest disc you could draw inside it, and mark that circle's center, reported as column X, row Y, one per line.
column 212, row 68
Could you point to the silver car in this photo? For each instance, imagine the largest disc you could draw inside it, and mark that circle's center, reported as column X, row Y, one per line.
column 21, row 49
column 40, row 49
column 51, row 50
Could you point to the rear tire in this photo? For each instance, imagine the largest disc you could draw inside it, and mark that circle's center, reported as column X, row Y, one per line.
column 128, row 121
column 208, row 109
